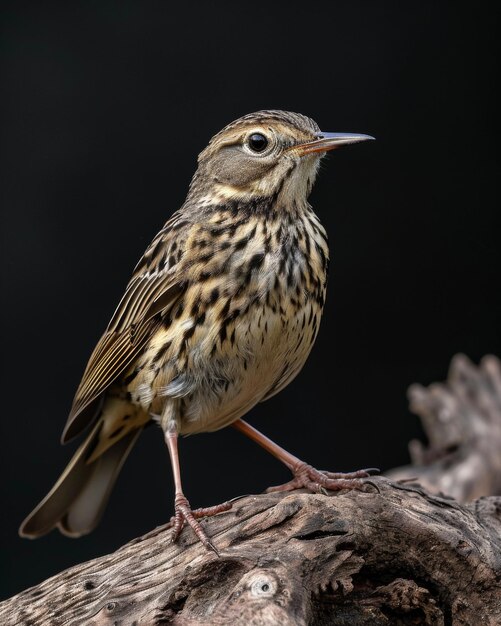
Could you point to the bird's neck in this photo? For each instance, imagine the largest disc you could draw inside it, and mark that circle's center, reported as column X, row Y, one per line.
column 281, row 193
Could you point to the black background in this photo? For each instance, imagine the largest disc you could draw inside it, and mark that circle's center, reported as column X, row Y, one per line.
column 105, row 106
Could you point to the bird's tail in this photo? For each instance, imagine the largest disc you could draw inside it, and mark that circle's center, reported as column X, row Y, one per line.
column 77, row 500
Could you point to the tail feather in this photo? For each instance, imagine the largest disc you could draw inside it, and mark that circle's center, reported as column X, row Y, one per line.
column 77, row 500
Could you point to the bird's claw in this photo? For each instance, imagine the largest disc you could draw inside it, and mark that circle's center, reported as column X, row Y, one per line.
column 184, row 514
column 319, row 481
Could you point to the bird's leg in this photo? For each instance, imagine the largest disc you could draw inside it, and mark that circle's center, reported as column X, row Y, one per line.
column 305, row 476
column 183, row 511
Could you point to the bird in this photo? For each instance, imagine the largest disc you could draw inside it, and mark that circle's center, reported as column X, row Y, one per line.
column 221, row 313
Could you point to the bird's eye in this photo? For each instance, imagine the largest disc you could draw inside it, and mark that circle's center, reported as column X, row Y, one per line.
column 257, row 142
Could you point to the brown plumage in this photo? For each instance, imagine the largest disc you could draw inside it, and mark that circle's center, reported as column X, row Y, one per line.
column 221, row 312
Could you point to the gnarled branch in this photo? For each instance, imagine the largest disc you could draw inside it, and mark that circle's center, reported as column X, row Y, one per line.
column 396, row 555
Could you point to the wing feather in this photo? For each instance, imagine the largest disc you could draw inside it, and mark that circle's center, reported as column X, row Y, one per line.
column 154, row 288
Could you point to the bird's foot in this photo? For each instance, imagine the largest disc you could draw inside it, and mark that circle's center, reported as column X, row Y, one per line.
column 184, row 514
column 319, row 481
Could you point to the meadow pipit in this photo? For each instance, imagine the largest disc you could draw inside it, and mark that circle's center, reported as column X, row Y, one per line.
column 221, row 312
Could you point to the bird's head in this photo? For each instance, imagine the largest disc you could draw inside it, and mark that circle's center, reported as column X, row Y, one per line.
column 268, row 154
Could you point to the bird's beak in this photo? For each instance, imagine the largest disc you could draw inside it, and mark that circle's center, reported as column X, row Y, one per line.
column 328, row 141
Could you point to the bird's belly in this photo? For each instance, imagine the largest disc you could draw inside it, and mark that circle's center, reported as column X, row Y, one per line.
column 218, row 377
column 267, row 349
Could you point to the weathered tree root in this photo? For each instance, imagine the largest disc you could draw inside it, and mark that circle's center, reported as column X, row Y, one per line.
column 394, row 555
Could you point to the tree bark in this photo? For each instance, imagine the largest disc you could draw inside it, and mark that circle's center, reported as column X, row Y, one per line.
column 392, row 554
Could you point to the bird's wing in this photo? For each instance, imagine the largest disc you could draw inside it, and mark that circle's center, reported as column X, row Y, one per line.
column 157, row 282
